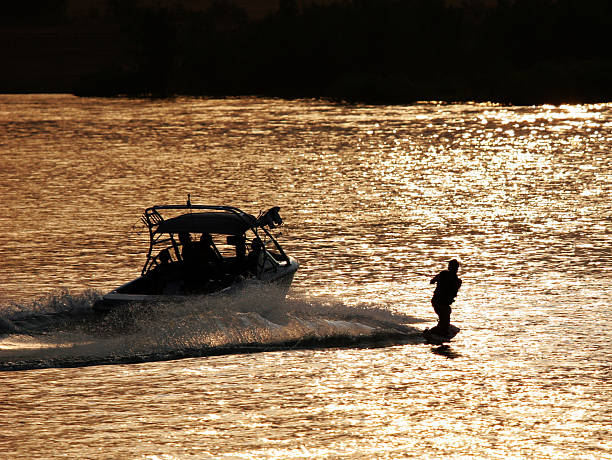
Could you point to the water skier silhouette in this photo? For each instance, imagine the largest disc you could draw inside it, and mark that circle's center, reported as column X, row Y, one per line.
column 447, row 285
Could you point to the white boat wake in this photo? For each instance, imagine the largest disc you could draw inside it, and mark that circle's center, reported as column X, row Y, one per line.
column 63, row 331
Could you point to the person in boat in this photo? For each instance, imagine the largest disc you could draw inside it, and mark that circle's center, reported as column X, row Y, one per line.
column 253, row 256
column 207, row 249
column 447, row 285
column 164, row 258
column 190, row 254
column 239, row 242
column 188, row 251
column 211, row 262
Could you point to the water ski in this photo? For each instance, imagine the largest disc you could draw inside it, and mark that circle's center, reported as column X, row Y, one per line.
column 434, row 338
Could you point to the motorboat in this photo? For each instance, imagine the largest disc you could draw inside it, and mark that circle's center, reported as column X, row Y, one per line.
column 202, row 250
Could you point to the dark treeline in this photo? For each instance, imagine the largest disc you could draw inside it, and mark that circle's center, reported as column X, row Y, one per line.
column 33, row 12
column 379, row 51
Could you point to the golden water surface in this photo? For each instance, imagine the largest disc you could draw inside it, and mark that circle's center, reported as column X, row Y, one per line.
column 375, row 200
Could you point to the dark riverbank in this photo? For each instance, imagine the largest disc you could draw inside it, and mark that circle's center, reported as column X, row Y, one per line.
column 384, row 51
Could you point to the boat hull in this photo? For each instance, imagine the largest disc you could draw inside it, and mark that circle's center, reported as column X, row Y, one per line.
column 280, row 279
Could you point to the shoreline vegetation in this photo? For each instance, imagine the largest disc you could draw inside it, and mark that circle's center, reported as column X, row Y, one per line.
column 520, row 52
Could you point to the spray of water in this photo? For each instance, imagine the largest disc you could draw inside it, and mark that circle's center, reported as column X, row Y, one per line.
column 62, row 329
